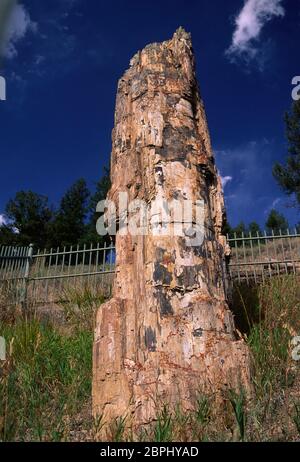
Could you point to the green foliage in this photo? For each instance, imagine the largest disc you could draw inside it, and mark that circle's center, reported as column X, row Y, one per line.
column 164, row 426
column 69, row 223
column 254, row 229
column 182, row 420
column 43, row 367
column 8, row 236
column 30, row 214
column 288, row 175
column 240, row 229
column 238, row 402
column 274, row 315
column 37, row 223
column 102, row 188
column 117, row 429
column 202, row 412
column 276, row 222
column 270, row 351
column 46, row 378
column 227, row 229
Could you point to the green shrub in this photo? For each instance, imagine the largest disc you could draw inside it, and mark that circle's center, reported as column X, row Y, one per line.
column 45, row 378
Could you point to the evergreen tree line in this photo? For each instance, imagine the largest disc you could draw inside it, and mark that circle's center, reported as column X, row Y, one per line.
column 276, row 223
column 30, row 219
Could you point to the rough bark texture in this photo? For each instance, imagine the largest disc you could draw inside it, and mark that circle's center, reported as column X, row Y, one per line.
column 167, row 333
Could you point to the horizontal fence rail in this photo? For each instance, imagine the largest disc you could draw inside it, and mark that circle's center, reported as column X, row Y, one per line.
column 47, row 276
column 14, row 272
column 260, row 256
column 14, row 262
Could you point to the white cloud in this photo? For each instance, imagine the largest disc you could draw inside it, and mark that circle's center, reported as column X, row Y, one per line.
column 249, row 24
column 19, row 25
column 276, row 202
column 273, row 206
column 252, row 191
column 225, row 180
column 2, row 220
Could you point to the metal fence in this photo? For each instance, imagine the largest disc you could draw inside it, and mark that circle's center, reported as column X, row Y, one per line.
column 14, row 273
column 47, row 276
column 261, row 256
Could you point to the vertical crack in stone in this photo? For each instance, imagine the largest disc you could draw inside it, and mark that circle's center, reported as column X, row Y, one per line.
column 168, row 330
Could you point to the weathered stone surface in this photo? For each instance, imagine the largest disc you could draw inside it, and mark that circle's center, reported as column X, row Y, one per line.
column 168, row 331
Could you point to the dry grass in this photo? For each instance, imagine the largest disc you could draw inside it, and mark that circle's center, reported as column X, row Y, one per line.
column 45, row 383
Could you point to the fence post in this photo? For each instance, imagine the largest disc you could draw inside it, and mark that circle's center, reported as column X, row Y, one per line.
column 26, row 276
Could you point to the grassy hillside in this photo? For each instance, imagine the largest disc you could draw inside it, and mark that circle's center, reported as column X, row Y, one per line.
column 45, row 382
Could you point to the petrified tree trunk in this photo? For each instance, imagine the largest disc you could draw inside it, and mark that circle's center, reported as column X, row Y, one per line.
column 167, row 333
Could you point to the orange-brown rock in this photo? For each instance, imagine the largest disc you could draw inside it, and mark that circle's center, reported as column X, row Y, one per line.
column 167, row 332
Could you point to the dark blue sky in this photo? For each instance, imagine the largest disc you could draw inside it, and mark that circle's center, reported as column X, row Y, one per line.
column 62, row 72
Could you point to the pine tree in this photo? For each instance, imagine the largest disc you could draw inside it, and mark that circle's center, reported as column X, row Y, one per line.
column 288, row 175
column 240, row 229
column 254, row 229
column 276, row 222
column 102, row 188
column 227, row 229
column 8, row 236
column 29, row 215
column 69, row 225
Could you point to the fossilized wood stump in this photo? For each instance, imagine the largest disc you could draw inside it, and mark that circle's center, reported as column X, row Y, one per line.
column 167, row 333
